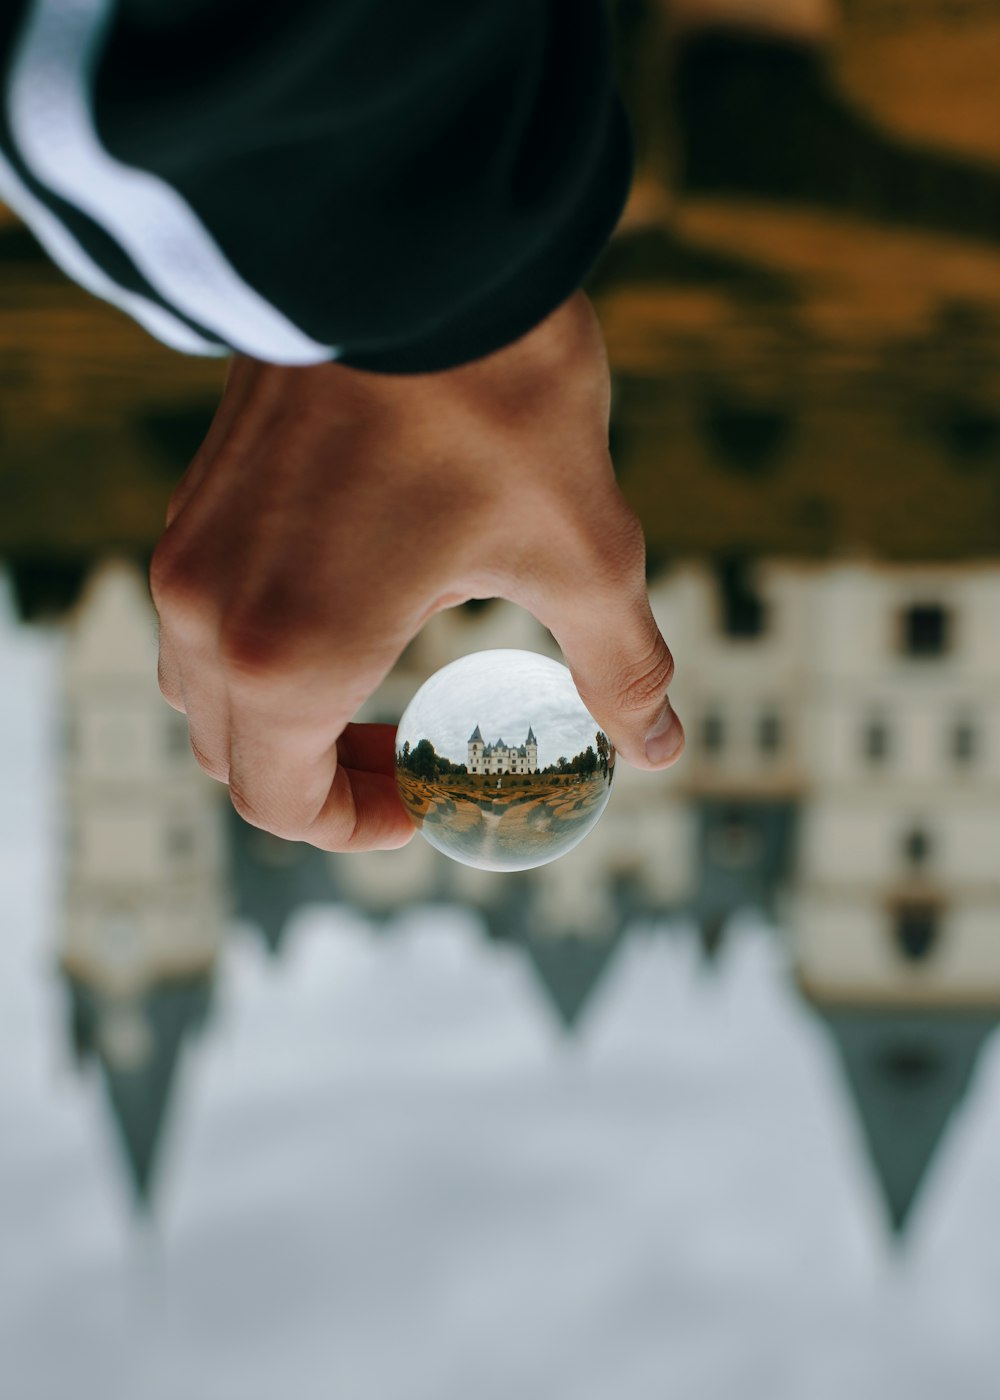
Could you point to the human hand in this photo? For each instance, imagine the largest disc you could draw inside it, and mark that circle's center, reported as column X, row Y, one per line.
column 330, row 512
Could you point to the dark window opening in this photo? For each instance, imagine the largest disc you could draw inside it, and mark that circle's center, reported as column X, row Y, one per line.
column 175, row 434
column 876, row 741
column 744, row 613
column 713, row 732
column 963, row 742
column 45, row 589
column 746, row 437
column 916, row 931
column 925, row 630
column 917, row 847
column 911, row 1065
column 769, row 732
column 972, row 434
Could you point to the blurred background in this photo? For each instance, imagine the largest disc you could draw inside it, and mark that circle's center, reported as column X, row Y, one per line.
column 712, row 1105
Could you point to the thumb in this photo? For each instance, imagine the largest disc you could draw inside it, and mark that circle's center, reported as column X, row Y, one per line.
column 619, row 660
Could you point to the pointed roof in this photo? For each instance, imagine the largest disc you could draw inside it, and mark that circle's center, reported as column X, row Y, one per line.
column 476, row 736
column 908, row 1071
column 570, row 967
column 531, row 736
column 139, row 1092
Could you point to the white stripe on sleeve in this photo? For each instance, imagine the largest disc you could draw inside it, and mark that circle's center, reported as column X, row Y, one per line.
column 63, row 249
column 52, row 124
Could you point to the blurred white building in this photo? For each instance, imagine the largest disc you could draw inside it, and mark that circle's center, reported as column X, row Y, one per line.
column 145, row 898
column 841, row 773
column 898, row 879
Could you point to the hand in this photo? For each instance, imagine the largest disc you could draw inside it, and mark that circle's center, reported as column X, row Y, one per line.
column 330, row 512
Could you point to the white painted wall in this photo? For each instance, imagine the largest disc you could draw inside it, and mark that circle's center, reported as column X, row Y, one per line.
column 144, row 895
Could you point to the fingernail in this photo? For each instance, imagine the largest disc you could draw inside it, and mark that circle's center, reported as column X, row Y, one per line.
column 665, row 737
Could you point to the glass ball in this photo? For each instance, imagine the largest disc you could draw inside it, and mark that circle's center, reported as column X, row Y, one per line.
column 499, row 763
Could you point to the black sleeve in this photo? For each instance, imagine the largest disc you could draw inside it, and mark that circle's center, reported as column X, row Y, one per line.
column 412, row 185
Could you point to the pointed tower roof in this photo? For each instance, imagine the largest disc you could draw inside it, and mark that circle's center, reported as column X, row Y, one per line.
column 531, row 736
column 908, row 1071
column 569, row 968
column 139, row 1091
column 476, row 736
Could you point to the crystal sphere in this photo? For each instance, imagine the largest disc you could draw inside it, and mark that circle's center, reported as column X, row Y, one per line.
column 499, row 763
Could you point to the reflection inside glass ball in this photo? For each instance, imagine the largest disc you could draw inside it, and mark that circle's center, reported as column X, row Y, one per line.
column 499, row 763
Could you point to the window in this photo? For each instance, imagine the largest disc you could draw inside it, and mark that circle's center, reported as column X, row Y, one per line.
column 746, row 437
column 926, row 628
column 911, row 1064
column 769, row 732
column 743, row 611
column 916, row 847
column 916, row 930
column 963, row 741
column 971, row 432
column 876, row 741
column 713, row 732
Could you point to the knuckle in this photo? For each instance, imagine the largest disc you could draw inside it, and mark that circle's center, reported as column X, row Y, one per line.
column 248, row 810
column 176, row 586
column 338, row 835
column 169, row 688
column 214, row 767
column 250, row 654
column 646, row 685
column 260, row 814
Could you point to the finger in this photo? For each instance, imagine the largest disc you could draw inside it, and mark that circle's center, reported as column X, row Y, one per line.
column 288, row 719
column 207, row 708
column 352, row 809
column 168, row 672
column 197, row 689
column 363, row 812
column 371, row 747
column 622, row 666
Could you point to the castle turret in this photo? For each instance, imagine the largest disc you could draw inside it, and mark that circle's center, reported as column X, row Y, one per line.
column 145, row 903
column 531, row 749
column 476, row 748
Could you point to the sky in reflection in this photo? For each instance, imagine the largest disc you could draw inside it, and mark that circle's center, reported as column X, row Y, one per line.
column 391, row 1177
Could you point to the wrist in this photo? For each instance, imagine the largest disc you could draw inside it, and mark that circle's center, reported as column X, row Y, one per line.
column 563, row 353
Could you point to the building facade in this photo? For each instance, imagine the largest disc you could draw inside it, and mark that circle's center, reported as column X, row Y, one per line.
column 145, row 899
column 499, row 757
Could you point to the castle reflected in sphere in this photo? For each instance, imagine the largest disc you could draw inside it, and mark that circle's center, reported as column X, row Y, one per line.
column 493, row 804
